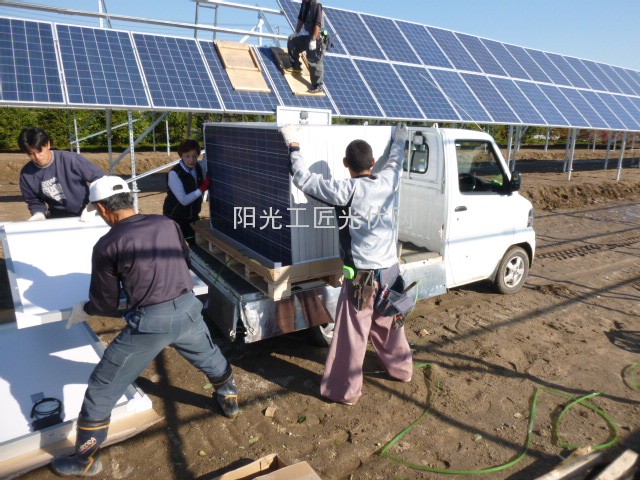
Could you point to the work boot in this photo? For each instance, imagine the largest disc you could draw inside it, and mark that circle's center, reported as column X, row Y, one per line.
column 317, row 88
column 86, row 461
column 227, row 397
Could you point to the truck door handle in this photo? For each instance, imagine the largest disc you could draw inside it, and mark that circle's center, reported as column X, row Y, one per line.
column 461, row 209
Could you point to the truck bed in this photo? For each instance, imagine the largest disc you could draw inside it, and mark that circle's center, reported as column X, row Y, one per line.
column 410, row 253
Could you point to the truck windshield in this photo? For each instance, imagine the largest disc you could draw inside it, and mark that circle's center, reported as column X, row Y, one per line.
column 478, row 167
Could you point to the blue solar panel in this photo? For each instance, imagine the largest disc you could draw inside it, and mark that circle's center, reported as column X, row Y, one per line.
column 424, row 45
column 505, row 59
column 491, row 99
column 176, row 73
column 348, row 90
column 426, row 92
column 602, row 76
column 516, row 100
column 615, row 76
column 291, row 10
column 353, row 33
column 284, row 90
column 100, row 67
column 546, row 108
column 454, row 50
column 460, row 96
column 584, row 72
column 586, row 110
column 610, row 110
column 629, row 79
column 630, row 107
column 391, row 40
column 481, row 55
column 232, row 99
column 565, row 106
column 567, row 70
column 387, row 87
column 531, row 67
column 250, row 184
column 635, row 101
column 28, row 68
column 635, row 78
column 548, row 67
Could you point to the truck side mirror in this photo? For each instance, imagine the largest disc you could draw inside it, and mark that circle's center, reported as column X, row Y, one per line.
column 516, row 181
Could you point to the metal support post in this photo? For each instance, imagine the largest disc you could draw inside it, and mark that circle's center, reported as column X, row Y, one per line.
column 573, row 151
column 606, row 158
column 546, row 141
column 622, row 147
column 109, row 140
column 75, row 130
column 509, row 143
column 166, row 122
column 134, row 184
column 566, row 150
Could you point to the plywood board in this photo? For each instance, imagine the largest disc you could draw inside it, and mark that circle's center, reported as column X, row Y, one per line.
column 242, row 66
column 59, row 364
column 49, row 266
column 299, row 82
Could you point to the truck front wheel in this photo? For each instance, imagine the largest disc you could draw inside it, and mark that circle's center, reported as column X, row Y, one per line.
column 321, row 335
column 512, row 271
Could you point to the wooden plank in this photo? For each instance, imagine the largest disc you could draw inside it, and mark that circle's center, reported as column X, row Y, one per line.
column 299, row 82
column 242, row 66
column 575, row 466
column 622, row 468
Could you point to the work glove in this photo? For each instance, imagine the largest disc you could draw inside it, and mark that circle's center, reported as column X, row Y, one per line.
column 312, row 45
column 89, row 213
column 78, row 315
column 291, row 134
column 37, row 216
column 293, row 35
column 400, row 135
column 205, row 185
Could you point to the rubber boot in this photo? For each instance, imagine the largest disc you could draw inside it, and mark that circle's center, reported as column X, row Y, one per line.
column 86, row 461
column 227, row 395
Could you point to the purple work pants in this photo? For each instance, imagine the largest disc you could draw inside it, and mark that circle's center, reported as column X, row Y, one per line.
column 342, row 379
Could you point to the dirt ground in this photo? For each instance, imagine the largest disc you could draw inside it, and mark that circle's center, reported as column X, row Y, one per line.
column 574, row 327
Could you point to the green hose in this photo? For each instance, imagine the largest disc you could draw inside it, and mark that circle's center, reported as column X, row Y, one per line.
column 437, row 386
column 630, row 376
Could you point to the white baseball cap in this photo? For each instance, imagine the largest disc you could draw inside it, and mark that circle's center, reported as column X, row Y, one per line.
column 106, row 187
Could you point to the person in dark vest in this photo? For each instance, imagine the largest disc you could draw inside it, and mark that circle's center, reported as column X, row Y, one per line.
column 306, row 38
column 187, row 184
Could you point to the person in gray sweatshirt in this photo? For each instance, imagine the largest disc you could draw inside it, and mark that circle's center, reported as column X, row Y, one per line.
column 54, row 183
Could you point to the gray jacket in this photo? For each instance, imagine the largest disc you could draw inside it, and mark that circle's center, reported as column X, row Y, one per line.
column 369, row 240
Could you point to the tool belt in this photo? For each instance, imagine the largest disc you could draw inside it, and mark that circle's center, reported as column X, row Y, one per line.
column 363, row 287
column 393, row 299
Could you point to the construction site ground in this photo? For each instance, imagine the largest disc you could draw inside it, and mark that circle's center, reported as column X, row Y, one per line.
column 574, row 327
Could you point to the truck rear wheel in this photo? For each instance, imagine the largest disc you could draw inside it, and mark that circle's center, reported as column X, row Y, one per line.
column 512, row 271
column 321, row 335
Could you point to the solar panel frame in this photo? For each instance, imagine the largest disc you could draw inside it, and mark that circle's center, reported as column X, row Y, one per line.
column 355, row 99
column 528, row 63
column 543, row 104
column 635, row 76
column 563, row 104
column 454, row 49
column 506, row 60
column 424, row 45
column 517, row 100
column 388, row 88
column 567, row 70
column 100, row 68
column 171, row 73
column 602, row 76
column 632, row 108
column 392, row 41
column 282, row 88
column 359, row 42
column 590, row 114
column 234, row 100
column 629, row 78
column 615, row 108
column 584, row 72
column 548, row 67
column 460, row 96
column 427, row 94
column 491, row 99
column 481, row 54
column 622, row 84
column 29, row 70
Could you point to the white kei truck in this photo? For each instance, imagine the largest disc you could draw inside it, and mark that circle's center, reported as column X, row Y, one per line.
column 460, row 220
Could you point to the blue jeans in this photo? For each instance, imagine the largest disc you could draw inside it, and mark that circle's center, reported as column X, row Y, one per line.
column 149, row 330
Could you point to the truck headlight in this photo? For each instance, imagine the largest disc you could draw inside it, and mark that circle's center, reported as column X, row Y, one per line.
column 530, row 219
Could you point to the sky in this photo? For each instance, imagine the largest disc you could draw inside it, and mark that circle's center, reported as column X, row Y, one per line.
column 606, row 31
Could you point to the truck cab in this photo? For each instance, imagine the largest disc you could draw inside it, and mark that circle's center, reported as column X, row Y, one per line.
column 459, row 199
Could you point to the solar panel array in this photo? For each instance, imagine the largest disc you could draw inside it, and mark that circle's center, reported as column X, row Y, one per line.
column 378, row 68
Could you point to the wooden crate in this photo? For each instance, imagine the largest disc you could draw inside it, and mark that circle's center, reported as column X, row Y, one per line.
column 277, row 282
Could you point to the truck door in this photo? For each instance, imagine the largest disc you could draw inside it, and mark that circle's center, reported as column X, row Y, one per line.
column 480, row 222
column 421, row 198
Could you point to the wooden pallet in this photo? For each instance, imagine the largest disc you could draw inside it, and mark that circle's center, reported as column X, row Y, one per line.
column 277, row 282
